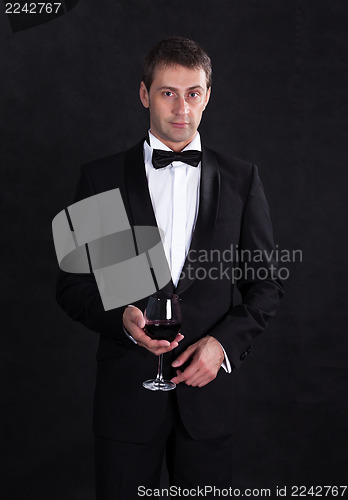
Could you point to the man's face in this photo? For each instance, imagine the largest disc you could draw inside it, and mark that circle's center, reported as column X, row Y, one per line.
column 176, row 100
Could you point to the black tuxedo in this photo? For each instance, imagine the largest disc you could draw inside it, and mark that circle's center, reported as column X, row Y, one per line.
column 232, row 211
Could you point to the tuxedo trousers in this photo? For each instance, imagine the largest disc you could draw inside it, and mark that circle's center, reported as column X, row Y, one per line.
column 129, row 471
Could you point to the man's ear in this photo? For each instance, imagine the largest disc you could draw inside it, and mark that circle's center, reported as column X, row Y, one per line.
column 144, row 95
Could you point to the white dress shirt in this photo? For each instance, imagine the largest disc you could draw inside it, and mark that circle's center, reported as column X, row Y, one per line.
column 174, row 192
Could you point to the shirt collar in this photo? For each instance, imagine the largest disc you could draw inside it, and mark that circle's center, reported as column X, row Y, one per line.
column 157, row 144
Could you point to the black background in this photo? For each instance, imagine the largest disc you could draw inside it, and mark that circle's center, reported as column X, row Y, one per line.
column 69, row 94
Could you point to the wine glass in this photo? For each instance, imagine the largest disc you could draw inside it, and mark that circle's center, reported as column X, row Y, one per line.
column 162, row 322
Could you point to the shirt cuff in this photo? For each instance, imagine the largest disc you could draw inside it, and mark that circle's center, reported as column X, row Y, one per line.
column 226, row 365
column 129, row 336
column 127, row 333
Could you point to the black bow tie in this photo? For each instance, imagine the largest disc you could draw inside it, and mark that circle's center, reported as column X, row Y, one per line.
column 161, row 158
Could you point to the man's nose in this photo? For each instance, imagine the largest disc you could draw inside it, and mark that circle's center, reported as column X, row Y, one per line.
column 181, row 106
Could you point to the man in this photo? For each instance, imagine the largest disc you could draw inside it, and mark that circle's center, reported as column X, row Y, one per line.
column 204, row 209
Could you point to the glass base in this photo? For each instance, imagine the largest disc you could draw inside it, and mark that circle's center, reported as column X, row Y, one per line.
column 159, row 385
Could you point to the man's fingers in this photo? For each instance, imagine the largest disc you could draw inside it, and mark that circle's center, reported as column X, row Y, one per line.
column 206, row 357
column 178, row 337
column 184, row 376
column 141, row 322
column 134, row 322
column 197, row 379
column 198, row 373
column 204, row 382
column 158, row 347
column 183, row 357
column 201, row 378
column 178, row 378
column 152, row 344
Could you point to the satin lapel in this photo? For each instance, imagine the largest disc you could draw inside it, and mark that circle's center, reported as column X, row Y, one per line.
column 137, row 189
column 139, row 199
column 208, row 206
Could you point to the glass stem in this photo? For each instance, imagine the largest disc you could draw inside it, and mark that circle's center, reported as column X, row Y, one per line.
column 159, row 377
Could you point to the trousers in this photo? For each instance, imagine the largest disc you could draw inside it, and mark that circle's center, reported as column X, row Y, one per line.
column 129, row 471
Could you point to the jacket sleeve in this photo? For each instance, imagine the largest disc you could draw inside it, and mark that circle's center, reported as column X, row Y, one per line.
column 259, row 283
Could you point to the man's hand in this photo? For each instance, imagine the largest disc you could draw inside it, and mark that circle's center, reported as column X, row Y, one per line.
column 207, row 357
column 134, row 322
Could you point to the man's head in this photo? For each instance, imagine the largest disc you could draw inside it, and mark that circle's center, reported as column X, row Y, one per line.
column 176, row 89
column 176, row 51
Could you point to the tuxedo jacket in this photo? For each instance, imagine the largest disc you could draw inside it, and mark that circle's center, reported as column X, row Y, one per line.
column 233, row 213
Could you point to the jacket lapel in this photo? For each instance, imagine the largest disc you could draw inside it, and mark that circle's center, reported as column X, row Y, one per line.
column 208, row 206
column 139, row 200
column 140, row 204
column 142, row 213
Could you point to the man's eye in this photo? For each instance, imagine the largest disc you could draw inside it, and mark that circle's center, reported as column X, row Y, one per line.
column 168, row 93
column 193, row 94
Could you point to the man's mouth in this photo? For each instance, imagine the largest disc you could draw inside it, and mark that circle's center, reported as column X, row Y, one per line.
column 179, row 124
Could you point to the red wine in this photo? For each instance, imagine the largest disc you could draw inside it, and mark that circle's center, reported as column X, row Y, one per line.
column 162, row 329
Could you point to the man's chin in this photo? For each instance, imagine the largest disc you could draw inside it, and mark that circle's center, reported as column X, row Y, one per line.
column 171, row 137
column 181, row 135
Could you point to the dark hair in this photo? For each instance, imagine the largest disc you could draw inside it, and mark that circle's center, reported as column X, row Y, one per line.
column 176, row 50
